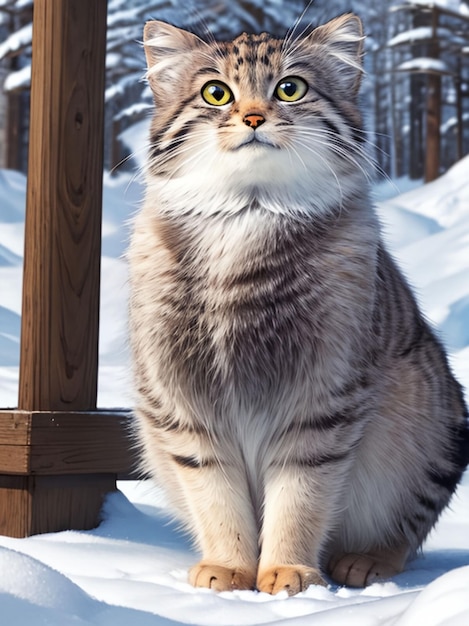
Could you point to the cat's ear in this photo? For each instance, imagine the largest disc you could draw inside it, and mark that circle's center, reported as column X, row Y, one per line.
column 167, row 48
column 342, row 39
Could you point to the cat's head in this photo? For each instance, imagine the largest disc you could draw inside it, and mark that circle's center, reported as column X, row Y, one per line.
column 258, row 117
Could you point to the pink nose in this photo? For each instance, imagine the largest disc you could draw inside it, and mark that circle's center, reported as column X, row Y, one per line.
column 253, row 120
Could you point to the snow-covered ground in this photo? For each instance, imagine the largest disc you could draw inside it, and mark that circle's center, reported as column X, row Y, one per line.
column 132, row 569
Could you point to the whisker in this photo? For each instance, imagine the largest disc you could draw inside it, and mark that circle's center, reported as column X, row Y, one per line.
column 349, row 150
column 291, row 34
column 290, row 149
column 194, row 160
column 308, row 147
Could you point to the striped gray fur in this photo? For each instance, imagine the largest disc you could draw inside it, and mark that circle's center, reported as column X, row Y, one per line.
column 290, row 397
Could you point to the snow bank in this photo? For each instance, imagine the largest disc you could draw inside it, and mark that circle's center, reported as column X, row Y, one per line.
column 133, row 570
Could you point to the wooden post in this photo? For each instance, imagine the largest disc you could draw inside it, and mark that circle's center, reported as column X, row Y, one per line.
column 59, row 339
column 58, row 455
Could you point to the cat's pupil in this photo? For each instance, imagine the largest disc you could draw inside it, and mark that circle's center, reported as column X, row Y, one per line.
column 289, row 89
column 216, row 92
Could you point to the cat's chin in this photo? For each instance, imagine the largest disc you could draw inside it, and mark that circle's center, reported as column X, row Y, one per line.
column 257, row 145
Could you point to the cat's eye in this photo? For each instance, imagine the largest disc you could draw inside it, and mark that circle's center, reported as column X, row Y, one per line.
column 291, row 89
column 217, row 93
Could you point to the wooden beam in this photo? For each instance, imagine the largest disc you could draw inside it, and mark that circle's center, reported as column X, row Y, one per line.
column 53, row 443
column 59, row 336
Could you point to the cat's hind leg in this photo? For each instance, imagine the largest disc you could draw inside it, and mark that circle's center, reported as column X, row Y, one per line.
column 407, row 466
column 360, row 570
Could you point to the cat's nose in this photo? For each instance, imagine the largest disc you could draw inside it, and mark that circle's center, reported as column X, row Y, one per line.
column 253, row 120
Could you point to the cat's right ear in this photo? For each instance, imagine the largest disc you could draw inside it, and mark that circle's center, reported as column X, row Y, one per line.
column 166, row 48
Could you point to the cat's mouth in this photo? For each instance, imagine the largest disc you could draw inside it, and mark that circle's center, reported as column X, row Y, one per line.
column 255, row 140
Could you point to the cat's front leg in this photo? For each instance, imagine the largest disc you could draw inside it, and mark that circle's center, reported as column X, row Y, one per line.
column 298, row 507
column 223, row 523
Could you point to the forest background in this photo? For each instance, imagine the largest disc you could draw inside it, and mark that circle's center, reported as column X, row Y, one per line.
column 415, row 94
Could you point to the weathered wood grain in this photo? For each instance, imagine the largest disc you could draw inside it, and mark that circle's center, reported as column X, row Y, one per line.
column 59, row 340
column 14, row 427
column 53, row 443
column 36, row 504
column 15, row 506
column 14, row 459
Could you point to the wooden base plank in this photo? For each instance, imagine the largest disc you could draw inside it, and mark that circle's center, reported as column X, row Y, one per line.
column 56, row 442
column 56, row 468
column 30, row 505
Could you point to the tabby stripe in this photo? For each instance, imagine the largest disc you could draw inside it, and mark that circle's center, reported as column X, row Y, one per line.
column 325, row 422
column 192, row 462
column 461, row 442
column 350, row 122
column 357, row 134
column 182, row 133
column 165, row 422
column 201, row 72
column 318, row 461
column 145, row 392
column 397, row 317
column 352, row 387
column 420, row 519
column 444, row 479
column 277, row 299
column 428, row 504
column 179, row 136
column 411, row 524
column 460, row 457
column 263, row 273
column 330, row 125
column 415, row 340
column 156, row 137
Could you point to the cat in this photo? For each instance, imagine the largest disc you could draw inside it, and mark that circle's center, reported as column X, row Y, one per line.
column 290, row 397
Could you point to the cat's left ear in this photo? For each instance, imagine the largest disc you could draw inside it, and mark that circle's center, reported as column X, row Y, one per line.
column 167, row 48
column 342, row 39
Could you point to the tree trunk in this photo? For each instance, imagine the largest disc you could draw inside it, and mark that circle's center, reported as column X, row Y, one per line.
column 432, row 152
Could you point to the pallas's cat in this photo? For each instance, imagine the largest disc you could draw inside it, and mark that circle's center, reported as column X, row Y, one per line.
column 291, row 399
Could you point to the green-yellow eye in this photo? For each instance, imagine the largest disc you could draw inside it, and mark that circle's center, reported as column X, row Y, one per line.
column 291, row 89
column 217, row 93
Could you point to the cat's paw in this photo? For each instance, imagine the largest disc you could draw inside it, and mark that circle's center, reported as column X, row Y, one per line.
column 289, row 578
column 220, row 578
column 360, row 570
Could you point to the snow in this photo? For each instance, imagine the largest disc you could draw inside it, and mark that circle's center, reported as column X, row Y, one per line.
column 456, row 6
column 18, row 80
column 134, row 110
column 17, row 40
column 423, row 64
column 422, row 33
column 132, row 569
